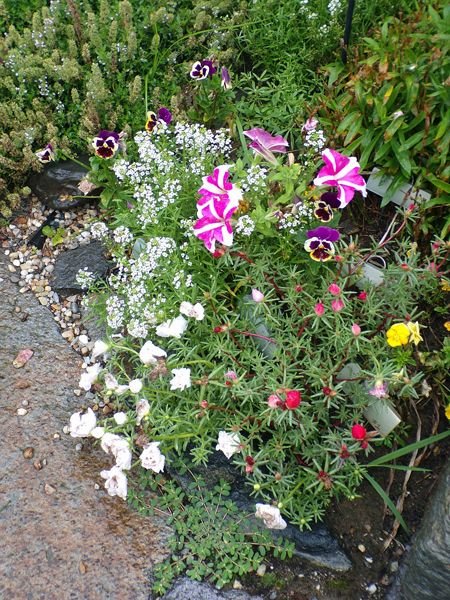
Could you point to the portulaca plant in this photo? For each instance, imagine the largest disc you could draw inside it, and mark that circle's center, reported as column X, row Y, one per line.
column 234, row 308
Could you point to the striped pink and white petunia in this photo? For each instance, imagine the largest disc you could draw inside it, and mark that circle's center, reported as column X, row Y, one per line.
column 342, row 172
column 217, row 184
column 214, row 224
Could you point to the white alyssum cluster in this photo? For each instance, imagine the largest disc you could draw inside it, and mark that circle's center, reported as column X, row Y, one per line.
column 85, row 278
column 315, row 140
column 245, row 225
column 334, row 6
column 255, row 179
column 99, row 231
column 115, row 308
column 122, row 235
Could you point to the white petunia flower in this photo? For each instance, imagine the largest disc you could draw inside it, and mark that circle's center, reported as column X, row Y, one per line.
column 142, row 410
column 90, row 377
column 151, row 457
column 196, row 311
column 81, row 425
column 150, row 353
column 181, row 379
column 116, row 482
column 173, row 328
column 120, row 418
column 119, row 448
column 229, row 443
column 99, row 348
column 135, row 386
column 271, row 516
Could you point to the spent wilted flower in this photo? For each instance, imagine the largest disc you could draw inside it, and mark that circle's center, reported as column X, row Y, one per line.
column 152, row 458
column 414, row 332
column 265, row 144
column 106, row 144
column 116, row 482
column 90, row 376
column 228, row 443
column 271, row 516
column 195, row 311
column 46, row 155
column 310, row 125
column 379, row 390
column 142, row 410
column 225, row 79
column 119, row 448
column 341, row 172
column 82, row 424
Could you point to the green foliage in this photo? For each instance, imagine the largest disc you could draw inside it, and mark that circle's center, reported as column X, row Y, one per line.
column 212, row 539
column 56, row 235
column 392, row 103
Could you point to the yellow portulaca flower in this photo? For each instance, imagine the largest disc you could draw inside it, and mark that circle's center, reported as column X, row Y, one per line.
column 414, row 331
column 447, row 325
column 447, row 412
column 398, row 335
column 445, row 286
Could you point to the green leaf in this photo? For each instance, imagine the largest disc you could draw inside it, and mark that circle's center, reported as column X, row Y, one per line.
column 441, row 185
column 408, row 449
column 377, row 487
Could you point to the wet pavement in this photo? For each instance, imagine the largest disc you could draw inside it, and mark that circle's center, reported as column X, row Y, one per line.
column 60, row 538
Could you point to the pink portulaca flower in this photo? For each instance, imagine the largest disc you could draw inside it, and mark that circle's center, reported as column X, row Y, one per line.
column 320, row 243
column 342, row 172
column 265, row 144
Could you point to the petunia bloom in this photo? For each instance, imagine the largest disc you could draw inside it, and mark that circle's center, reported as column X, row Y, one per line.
column 265, row 144
column 202, row 69
column 214, row 224
column 320, row 243
column 341, row 172
column 46, row 155
column 106, row 144
column 271, row 516
column 152, row 458
column 217, row 184
column 116, row 482
column 228, row 443
column 397, row 335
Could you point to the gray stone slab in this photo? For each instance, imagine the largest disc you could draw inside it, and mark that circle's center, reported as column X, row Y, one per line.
column 68, row 263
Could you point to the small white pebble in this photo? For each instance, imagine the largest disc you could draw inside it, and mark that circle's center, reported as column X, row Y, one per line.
column 79, row 447
column 361, row 548
column 22, row 412
column 96, row 486
column 25, row 403
column 66, row 429
column 83, row 339
column 56, row 436
column 368, row 559
column 371, row 589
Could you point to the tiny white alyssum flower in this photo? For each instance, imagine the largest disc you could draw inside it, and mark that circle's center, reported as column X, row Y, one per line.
column 119, row 447
column 100, row 347
column 90, row 377
column 271, row 516
column 173, row 328
column 120, row 418
column 142, row 410
column 81, row 425
column 150, row 353
column 151, row 457
column 195, row 311
column 181, row 379
column 135, row 386
column 229, row 443
column 116, row 482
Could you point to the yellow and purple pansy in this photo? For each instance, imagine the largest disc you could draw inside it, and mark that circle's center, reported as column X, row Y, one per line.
column 106, row 144
column 320, row 243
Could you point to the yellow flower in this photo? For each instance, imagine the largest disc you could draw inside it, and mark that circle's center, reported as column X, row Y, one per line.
column 398, row 335
column 445, row 286
column 447, row 325
column 447, row 412
column 414, row 331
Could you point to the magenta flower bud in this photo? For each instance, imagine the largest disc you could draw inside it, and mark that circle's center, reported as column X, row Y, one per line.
column 356, row 329
column 319, row 309
column 337, row 305
column 334, row 289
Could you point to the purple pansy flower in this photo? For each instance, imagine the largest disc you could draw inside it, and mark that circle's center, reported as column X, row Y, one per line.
column 46, row 155
column 226, row 80
column 217, row 184
column 153, row 120
column 214, row 224
column 341, row 172
column 265, row 144
column 310, row 125
column 320, row 243
column 106, row 143
column 323, row 208
column 202, row 69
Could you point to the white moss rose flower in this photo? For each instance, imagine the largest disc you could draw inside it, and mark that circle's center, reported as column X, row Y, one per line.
column 135, row 386
column 151, row 457
column 173, row 328
column 99, row 348
column 120, row 418
column 112, row 384
column 82, row 424
column 181, row 379
column 228, row 443
column 116, row 482
column 90, row 376
column 195, row 311
column 119, row 447
column 271, row 516
column 149, row 353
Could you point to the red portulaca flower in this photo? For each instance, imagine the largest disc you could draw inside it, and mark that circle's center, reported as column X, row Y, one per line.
column 293, row 399
column 359, row 432
column 46, row 155
column 341, row 172
column 202, row 69
column 106, row 144
column 320, row 243
column 265, row 144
